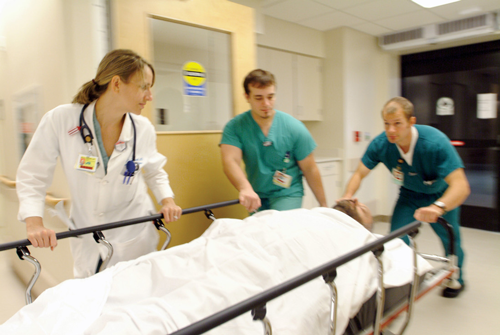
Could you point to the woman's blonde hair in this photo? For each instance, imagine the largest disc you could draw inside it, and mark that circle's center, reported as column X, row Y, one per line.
column 120, row 62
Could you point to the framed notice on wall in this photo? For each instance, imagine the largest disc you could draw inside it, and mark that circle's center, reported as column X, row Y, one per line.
column 487, row 106
column 27, row 110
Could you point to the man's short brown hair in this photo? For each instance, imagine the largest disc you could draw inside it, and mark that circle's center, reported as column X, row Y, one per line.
column 258, row 78
column 393, row 105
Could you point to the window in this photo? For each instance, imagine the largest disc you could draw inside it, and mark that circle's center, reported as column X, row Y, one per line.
column 193, row 89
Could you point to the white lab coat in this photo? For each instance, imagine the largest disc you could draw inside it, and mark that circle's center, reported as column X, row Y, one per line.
column 97, row 198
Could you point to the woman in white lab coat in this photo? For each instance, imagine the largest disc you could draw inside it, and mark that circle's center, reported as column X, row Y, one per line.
column 108, row 153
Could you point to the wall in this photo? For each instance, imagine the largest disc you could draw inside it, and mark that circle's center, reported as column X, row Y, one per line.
column 359, row 78
column 49, row 46
column 369, row 73
column 329, row 134
column 279, row 34
column 194, row 163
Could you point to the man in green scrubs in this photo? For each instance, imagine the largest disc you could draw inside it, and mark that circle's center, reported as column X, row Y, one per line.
column 428, row 170
column 277, row 150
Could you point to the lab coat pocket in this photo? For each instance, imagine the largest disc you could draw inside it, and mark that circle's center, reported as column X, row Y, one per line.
column 140, row 244
column 121, row 196
column 85, row 256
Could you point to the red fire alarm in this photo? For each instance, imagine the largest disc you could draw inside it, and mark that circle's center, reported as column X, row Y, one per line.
column 356, row 136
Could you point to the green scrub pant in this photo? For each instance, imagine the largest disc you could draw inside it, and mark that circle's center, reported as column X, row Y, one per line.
column 281, row 203
column 406, row 206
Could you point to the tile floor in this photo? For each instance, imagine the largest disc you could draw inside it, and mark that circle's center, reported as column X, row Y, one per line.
column 476, row 311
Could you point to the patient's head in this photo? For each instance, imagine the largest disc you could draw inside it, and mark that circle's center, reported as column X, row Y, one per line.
column 356, row 210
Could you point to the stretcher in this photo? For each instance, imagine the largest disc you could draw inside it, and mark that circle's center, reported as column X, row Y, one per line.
column 269, row 306
column 375, row 315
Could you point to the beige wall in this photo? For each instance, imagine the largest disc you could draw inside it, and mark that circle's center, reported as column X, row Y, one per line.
column 40, row 51
column 368, row 73
column 283, row 35
column 358, row 78
column 194, row 164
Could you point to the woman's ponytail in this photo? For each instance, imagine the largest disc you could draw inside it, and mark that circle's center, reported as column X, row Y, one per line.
column 89, row 92
column 121, row 62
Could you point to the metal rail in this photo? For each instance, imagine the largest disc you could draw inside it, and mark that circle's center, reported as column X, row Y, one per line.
column 24, row 254
column 261, row 299
column 117, row 224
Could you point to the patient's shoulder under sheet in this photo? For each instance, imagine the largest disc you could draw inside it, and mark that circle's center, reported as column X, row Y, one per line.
column 233, row 260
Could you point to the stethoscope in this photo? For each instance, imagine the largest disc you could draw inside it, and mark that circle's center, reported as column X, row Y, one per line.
column 88, row 138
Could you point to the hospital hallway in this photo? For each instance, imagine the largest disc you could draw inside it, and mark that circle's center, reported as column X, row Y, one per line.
column 474, row 312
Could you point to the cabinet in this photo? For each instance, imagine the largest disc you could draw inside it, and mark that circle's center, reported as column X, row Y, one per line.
column 279, row 63
column 331, row 177
column 308, row 91
column 298, row 82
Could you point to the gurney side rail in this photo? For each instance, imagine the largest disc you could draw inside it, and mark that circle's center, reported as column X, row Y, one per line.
column 24, row 254
column 260, row 299
column 117, row 224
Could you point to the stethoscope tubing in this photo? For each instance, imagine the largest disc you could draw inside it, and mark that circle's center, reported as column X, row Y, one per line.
column 90, row 137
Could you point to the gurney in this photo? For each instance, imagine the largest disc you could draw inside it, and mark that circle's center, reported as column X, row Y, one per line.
column 375, row 315
column 259, row 282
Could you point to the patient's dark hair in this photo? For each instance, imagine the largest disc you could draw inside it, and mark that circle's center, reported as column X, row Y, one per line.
column 347, row 207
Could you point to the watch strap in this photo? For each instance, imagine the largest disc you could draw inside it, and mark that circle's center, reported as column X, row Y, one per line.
column 441, row 205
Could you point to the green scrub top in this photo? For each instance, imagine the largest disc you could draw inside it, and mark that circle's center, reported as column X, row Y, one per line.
column 434, row 158
column 287, row 137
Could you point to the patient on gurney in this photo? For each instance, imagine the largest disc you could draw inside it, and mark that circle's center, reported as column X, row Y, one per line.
column 233, row 260
column 357, row 210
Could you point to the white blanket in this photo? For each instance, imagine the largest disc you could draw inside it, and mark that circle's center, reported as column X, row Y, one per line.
column 232, row 261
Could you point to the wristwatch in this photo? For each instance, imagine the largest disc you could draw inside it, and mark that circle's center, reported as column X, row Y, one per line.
column 441, row 205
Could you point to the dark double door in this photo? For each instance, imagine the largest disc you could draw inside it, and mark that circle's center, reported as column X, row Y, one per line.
column 462, row 76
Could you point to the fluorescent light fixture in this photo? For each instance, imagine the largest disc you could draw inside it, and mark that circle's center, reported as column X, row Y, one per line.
column 433, row 3
column 469, row 11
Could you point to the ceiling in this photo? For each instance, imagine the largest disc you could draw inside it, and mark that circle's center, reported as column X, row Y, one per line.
column 374, row 17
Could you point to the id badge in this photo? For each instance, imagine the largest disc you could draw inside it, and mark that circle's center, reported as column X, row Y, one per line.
column 282, row 179
column 398, row 177
column 86, row 163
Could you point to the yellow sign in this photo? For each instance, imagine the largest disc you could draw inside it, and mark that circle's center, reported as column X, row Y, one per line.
column 194, row 74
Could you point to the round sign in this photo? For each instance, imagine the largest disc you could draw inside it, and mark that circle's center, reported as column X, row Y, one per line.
column 445, row 106
column 194, row 73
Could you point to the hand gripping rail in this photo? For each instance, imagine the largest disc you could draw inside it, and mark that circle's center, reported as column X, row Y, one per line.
column 24, row 254
column 257, row 303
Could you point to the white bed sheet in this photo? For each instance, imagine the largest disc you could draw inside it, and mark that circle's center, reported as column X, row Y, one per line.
column 233, row 260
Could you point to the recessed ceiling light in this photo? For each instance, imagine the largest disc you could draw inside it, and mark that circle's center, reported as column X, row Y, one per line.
column 433, row 3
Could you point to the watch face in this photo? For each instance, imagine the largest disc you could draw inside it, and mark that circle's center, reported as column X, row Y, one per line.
column 440, row 204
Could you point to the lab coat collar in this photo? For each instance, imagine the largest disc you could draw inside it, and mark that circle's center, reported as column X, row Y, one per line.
column 127, row 132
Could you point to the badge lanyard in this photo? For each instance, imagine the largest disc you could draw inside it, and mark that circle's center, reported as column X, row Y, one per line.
column 86, row 133
column 398, row 174
column 280, row 178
